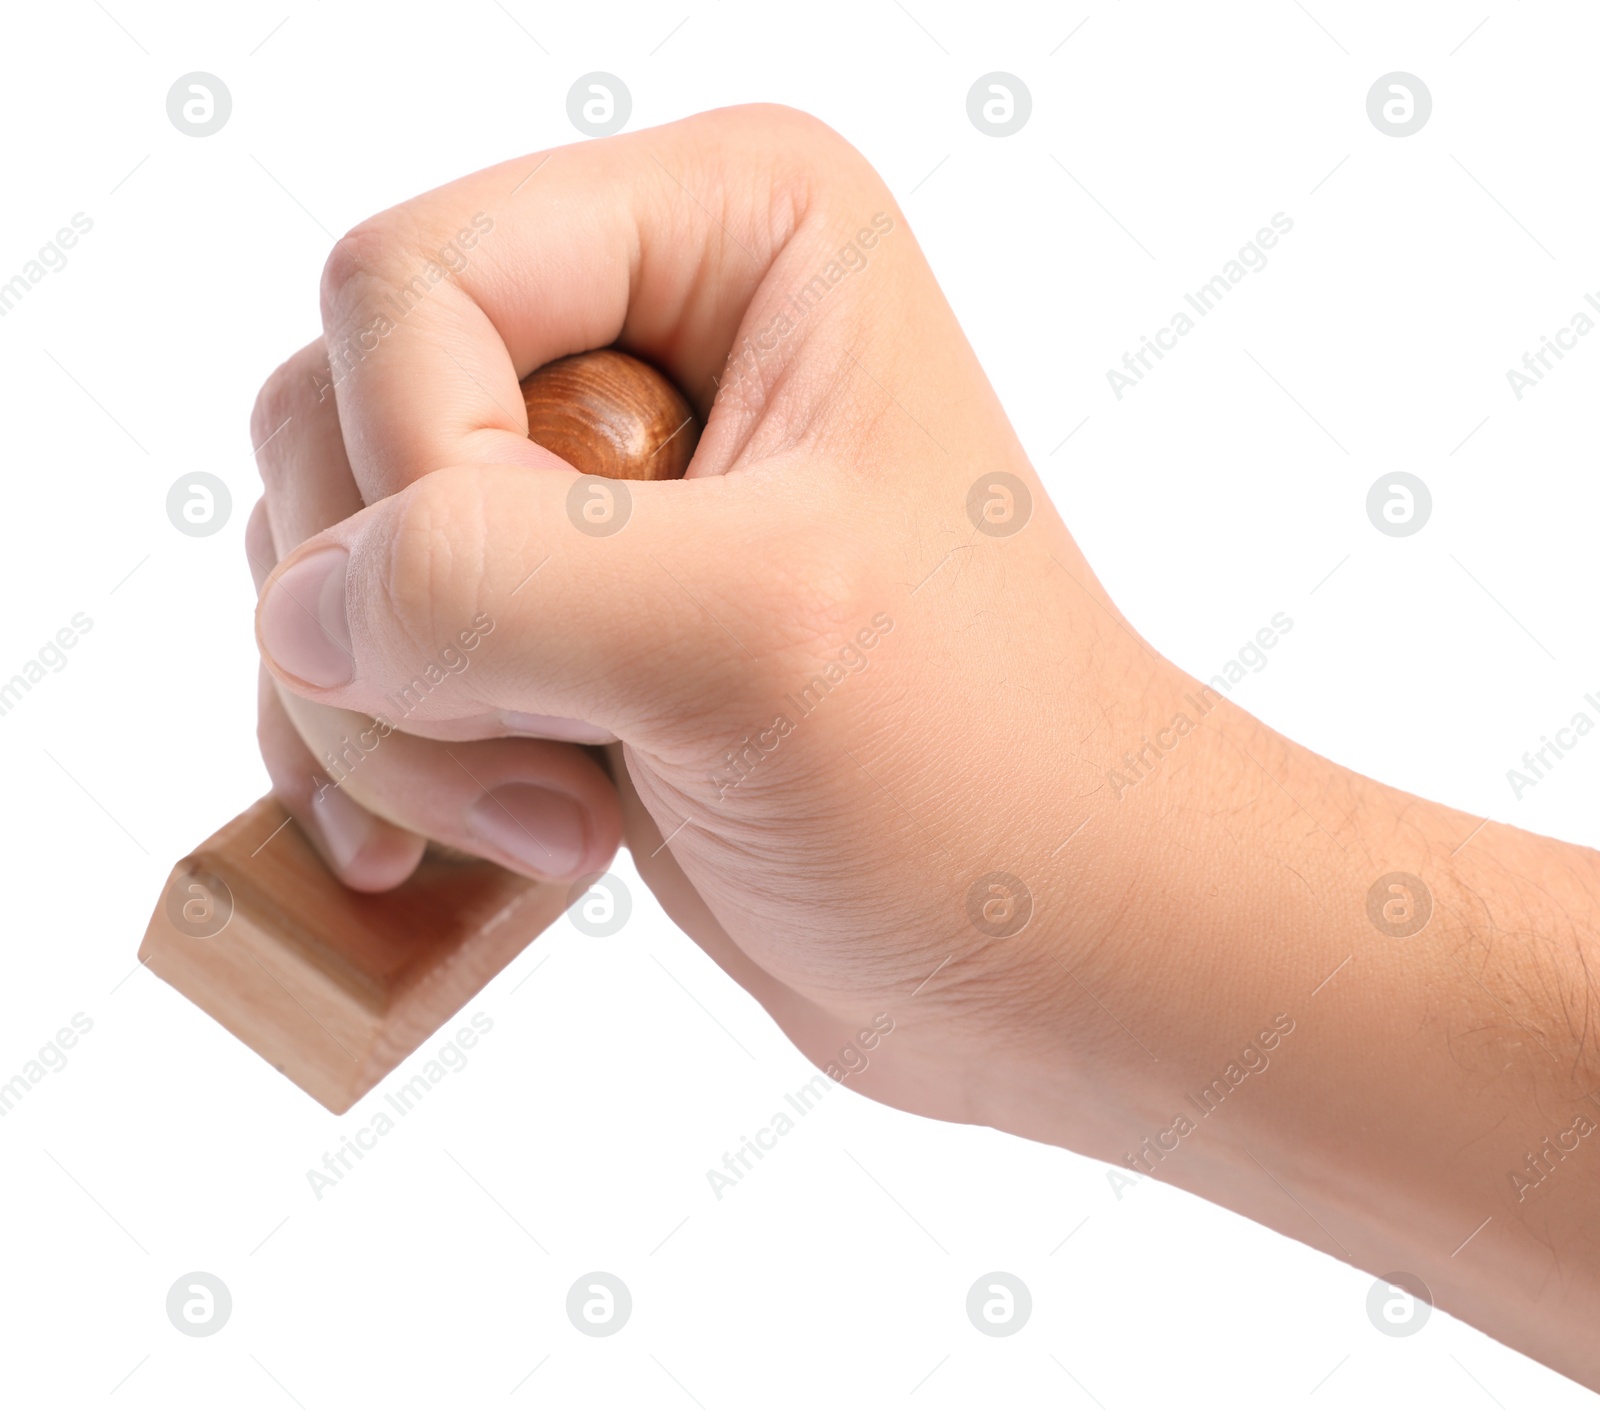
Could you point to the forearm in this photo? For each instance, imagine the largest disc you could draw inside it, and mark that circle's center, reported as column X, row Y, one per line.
column 1422, row 1100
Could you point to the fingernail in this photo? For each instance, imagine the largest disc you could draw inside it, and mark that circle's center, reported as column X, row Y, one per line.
column 555, row 727
column 346, row 825
column 303, row 624
column 542, row 830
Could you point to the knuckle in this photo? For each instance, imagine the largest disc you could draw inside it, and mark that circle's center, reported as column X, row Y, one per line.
column 290, row 391
column 430, row 573
column 354, row 257
column 831, row 587
column 365, row 260
column 773, row 164
column 833, row 592
column 798, row 129
column 812, row 151
column 275, row 402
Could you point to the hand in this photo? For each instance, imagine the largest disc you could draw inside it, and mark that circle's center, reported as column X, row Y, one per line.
column 886, row 750
column 798, row 647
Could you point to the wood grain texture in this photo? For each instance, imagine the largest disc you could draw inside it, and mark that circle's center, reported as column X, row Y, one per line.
column 334, row 987
column 607, row 413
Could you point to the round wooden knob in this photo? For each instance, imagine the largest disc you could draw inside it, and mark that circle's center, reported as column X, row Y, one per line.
column 609, row 414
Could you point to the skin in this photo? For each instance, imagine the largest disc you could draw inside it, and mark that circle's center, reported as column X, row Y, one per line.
column 1184, row 909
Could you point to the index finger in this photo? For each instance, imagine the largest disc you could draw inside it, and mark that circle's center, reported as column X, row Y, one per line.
column 656, row 241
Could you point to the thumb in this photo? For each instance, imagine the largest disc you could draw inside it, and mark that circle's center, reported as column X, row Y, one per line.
column 488, row 591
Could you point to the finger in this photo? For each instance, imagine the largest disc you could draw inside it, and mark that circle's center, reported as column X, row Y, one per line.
column 259, row 551
column 542, row 809
column 300, row 451
column 445, row 602
column 310, row 487
column 365, row 852
column 657, row 241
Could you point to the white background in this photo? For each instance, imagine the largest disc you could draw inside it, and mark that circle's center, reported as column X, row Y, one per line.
column 1223, row 489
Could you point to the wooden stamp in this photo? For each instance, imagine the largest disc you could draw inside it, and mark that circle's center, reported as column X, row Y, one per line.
column 336, row 987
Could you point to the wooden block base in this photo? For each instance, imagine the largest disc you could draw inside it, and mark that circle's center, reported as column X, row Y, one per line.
column 334, row 987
